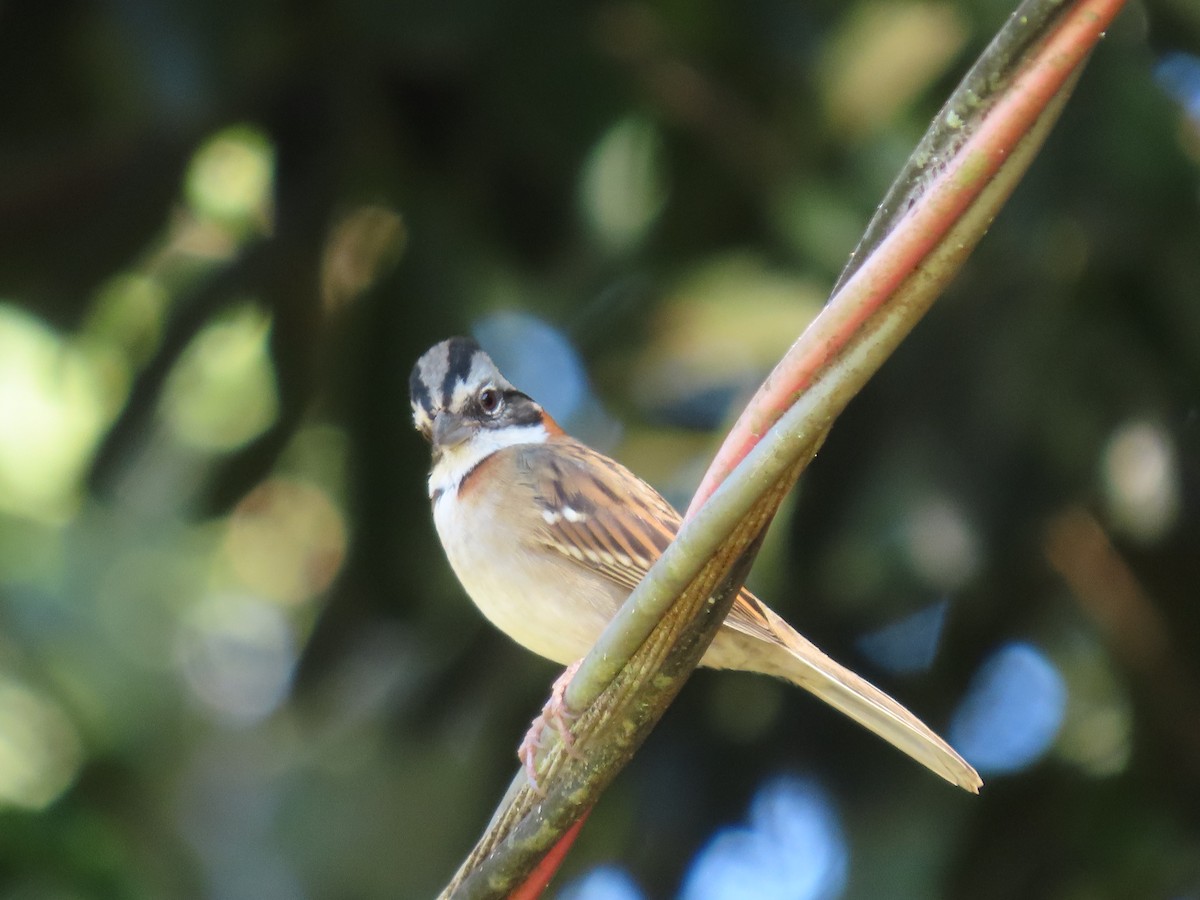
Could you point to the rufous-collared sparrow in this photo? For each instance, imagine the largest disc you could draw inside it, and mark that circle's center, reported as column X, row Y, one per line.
column 549, row 537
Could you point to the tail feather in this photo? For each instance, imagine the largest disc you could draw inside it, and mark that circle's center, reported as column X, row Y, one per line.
column 809, row 668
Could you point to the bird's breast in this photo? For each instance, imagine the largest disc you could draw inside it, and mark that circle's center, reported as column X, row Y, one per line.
column 544, row 602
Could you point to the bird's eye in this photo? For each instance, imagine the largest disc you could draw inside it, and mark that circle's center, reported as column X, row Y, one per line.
column 489, row 401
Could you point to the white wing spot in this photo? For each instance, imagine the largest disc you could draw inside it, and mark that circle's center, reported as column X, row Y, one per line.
column 573, row 515
column 550, row 516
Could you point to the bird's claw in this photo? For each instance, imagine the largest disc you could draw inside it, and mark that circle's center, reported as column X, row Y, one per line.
column 556, row 715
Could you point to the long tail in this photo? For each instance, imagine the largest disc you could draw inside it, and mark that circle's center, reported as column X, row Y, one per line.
column 809, row 668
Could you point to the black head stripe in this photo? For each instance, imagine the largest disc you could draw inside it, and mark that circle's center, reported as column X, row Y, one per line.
column 418, row 390
column 520, row 409
column 450, row 376
column 439, row 369
column 460, row 357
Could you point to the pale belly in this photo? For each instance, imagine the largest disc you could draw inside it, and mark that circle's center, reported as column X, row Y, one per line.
column 515, row 587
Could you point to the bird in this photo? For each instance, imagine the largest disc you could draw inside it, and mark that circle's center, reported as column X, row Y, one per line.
column 548, row 537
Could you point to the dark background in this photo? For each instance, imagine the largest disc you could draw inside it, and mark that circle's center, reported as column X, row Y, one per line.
column 233, row 662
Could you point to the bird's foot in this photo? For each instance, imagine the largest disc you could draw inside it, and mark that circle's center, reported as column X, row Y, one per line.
column 556, row 715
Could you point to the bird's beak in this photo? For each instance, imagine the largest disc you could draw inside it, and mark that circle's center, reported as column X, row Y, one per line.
column 450, row 430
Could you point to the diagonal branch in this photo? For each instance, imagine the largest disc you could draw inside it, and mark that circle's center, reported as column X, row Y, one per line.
column 1008, row 100
column 975, row 153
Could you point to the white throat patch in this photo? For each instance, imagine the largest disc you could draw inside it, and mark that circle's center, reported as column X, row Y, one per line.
column 455, row 465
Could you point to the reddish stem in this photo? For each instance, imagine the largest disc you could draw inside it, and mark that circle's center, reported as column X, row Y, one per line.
column 533, row 886
column 917, row 233
column 912, row 239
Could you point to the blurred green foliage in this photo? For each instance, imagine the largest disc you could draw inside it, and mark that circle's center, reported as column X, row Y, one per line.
column 232, row 661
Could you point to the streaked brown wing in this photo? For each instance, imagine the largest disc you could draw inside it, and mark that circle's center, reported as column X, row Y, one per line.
column 598, row 514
